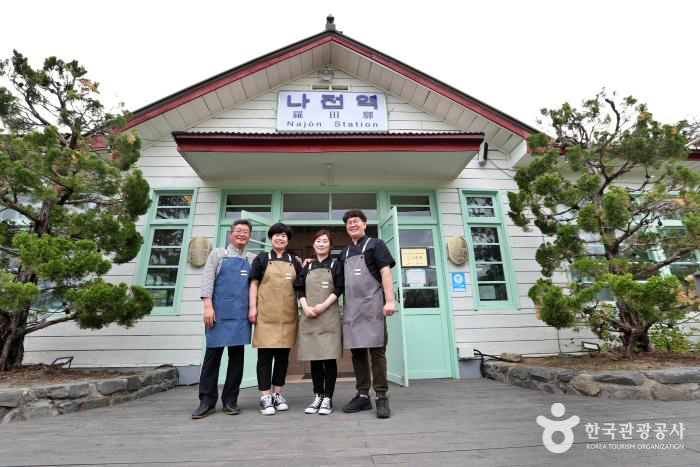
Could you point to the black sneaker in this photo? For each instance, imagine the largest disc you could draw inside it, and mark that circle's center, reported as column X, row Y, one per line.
column 203, row 410
column 357, row 403
column 383, row 407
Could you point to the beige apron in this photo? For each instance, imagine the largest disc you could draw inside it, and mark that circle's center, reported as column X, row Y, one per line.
column 319, row 338
column 276, row 326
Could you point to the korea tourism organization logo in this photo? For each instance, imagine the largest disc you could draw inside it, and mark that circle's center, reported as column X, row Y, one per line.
column 613, row 435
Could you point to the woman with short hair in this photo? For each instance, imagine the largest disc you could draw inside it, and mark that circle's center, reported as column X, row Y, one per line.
column 319, row 286
column 273, row 310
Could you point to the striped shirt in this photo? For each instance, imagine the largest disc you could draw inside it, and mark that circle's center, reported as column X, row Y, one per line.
column 213, row 266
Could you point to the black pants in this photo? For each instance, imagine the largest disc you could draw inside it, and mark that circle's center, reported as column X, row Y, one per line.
column 267, row 375
column 209, row 377
column 323, row 374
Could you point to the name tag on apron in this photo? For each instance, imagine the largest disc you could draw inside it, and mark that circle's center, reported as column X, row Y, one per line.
column 288, row 276
column 244, row 273
column 324, row 285
column 357, row 272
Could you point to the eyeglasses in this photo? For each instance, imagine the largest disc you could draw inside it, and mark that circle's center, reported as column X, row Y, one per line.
column 354, row 221
column 240, row 232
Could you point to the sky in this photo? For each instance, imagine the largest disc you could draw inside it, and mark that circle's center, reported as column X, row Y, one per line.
column 517, row 56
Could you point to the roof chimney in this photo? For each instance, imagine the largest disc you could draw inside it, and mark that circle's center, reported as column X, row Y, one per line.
column 330, row 26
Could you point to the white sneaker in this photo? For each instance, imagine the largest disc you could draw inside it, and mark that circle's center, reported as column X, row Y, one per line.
column 279, row 402
column 267, row 406
column 314, row 406
column 326, row 406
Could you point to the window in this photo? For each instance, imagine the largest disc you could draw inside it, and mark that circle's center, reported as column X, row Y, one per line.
column 688, row 264
column 420, row 284
column 489, row 262
column 327, row 206
column 165, row 257
column 411, row 205
column 260, row 204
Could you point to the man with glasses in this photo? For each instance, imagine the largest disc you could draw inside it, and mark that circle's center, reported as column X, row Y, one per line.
column 225, row 298
column 369, row 299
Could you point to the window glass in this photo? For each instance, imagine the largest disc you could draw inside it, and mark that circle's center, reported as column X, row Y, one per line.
column 260, row 204
column 173, row 206
column 311, row 206
column 411, row 205
column 163, row 265
column 419, row 281
column 480, row 206
column 341, row 202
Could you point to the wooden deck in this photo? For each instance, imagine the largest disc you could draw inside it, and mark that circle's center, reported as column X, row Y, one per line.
column 449, row 422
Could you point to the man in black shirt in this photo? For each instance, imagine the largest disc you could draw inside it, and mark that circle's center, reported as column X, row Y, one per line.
column 369, row 299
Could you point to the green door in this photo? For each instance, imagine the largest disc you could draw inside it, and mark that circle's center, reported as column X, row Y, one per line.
column 258, row 243
column 423, row 304
column 396, row 347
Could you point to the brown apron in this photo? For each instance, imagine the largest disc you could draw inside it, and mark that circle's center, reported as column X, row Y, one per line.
column 363, row 305
column 276, row 326
column 319, row 338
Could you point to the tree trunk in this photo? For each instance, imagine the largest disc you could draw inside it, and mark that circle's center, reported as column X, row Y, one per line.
column 12, row 340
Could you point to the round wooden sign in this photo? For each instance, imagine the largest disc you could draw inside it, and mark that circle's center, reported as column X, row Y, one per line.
column 457, row 250
column 199, row 250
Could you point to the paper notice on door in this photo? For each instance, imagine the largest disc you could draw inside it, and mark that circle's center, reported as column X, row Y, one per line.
column 416, row 277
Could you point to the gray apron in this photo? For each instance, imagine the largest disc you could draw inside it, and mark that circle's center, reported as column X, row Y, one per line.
column 319, row 338
column 363, row 305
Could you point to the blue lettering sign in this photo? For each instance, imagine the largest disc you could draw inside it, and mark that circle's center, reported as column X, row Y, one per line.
column 367, row 101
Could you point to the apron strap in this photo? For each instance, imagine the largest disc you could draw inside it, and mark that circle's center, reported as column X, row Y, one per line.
column 290, row 257
column 332, row 263
column 365, row 245
column 269, row 256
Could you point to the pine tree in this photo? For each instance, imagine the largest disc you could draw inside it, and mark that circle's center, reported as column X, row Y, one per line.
column 602, row 188
column 69, row 198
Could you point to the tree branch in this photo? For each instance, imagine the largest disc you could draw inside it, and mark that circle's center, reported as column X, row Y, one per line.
column 46, row 324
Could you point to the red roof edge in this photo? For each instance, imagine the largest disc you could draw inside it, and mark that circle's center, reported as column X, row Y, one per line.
column 305, row 143
column 198, row 90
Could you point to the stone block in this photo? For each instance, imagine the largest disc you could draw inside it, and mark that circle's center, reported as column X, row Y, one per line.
column 623, row 378
column 109, row 386
column 147, row 391
column 511, row 357
column 664, row 392
column 64, row 391
column 629, row 393
column 565, row 375
column 675, row 375
column 585, row 385
column 519, row 372
column 12, row 416
column 133, row 383
column 38, row 411
column 94, row 403
column 541, row 374
column 120, row 399
column 146, row 379
column 68, row 407
column 11, row 397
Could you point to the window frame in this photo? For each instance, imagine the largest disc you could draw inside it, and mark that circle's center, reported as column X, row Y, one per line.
column 152, row 225
column 498, row 221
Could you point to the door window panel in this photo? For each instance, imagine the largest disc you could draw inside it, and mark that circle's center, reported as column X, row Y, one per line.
column 411, row 205
column 419, row 282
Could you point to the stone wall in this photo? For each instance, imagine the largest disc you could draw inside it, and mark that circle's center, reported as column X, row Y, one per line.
column 26, row 403
column 671, row 384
